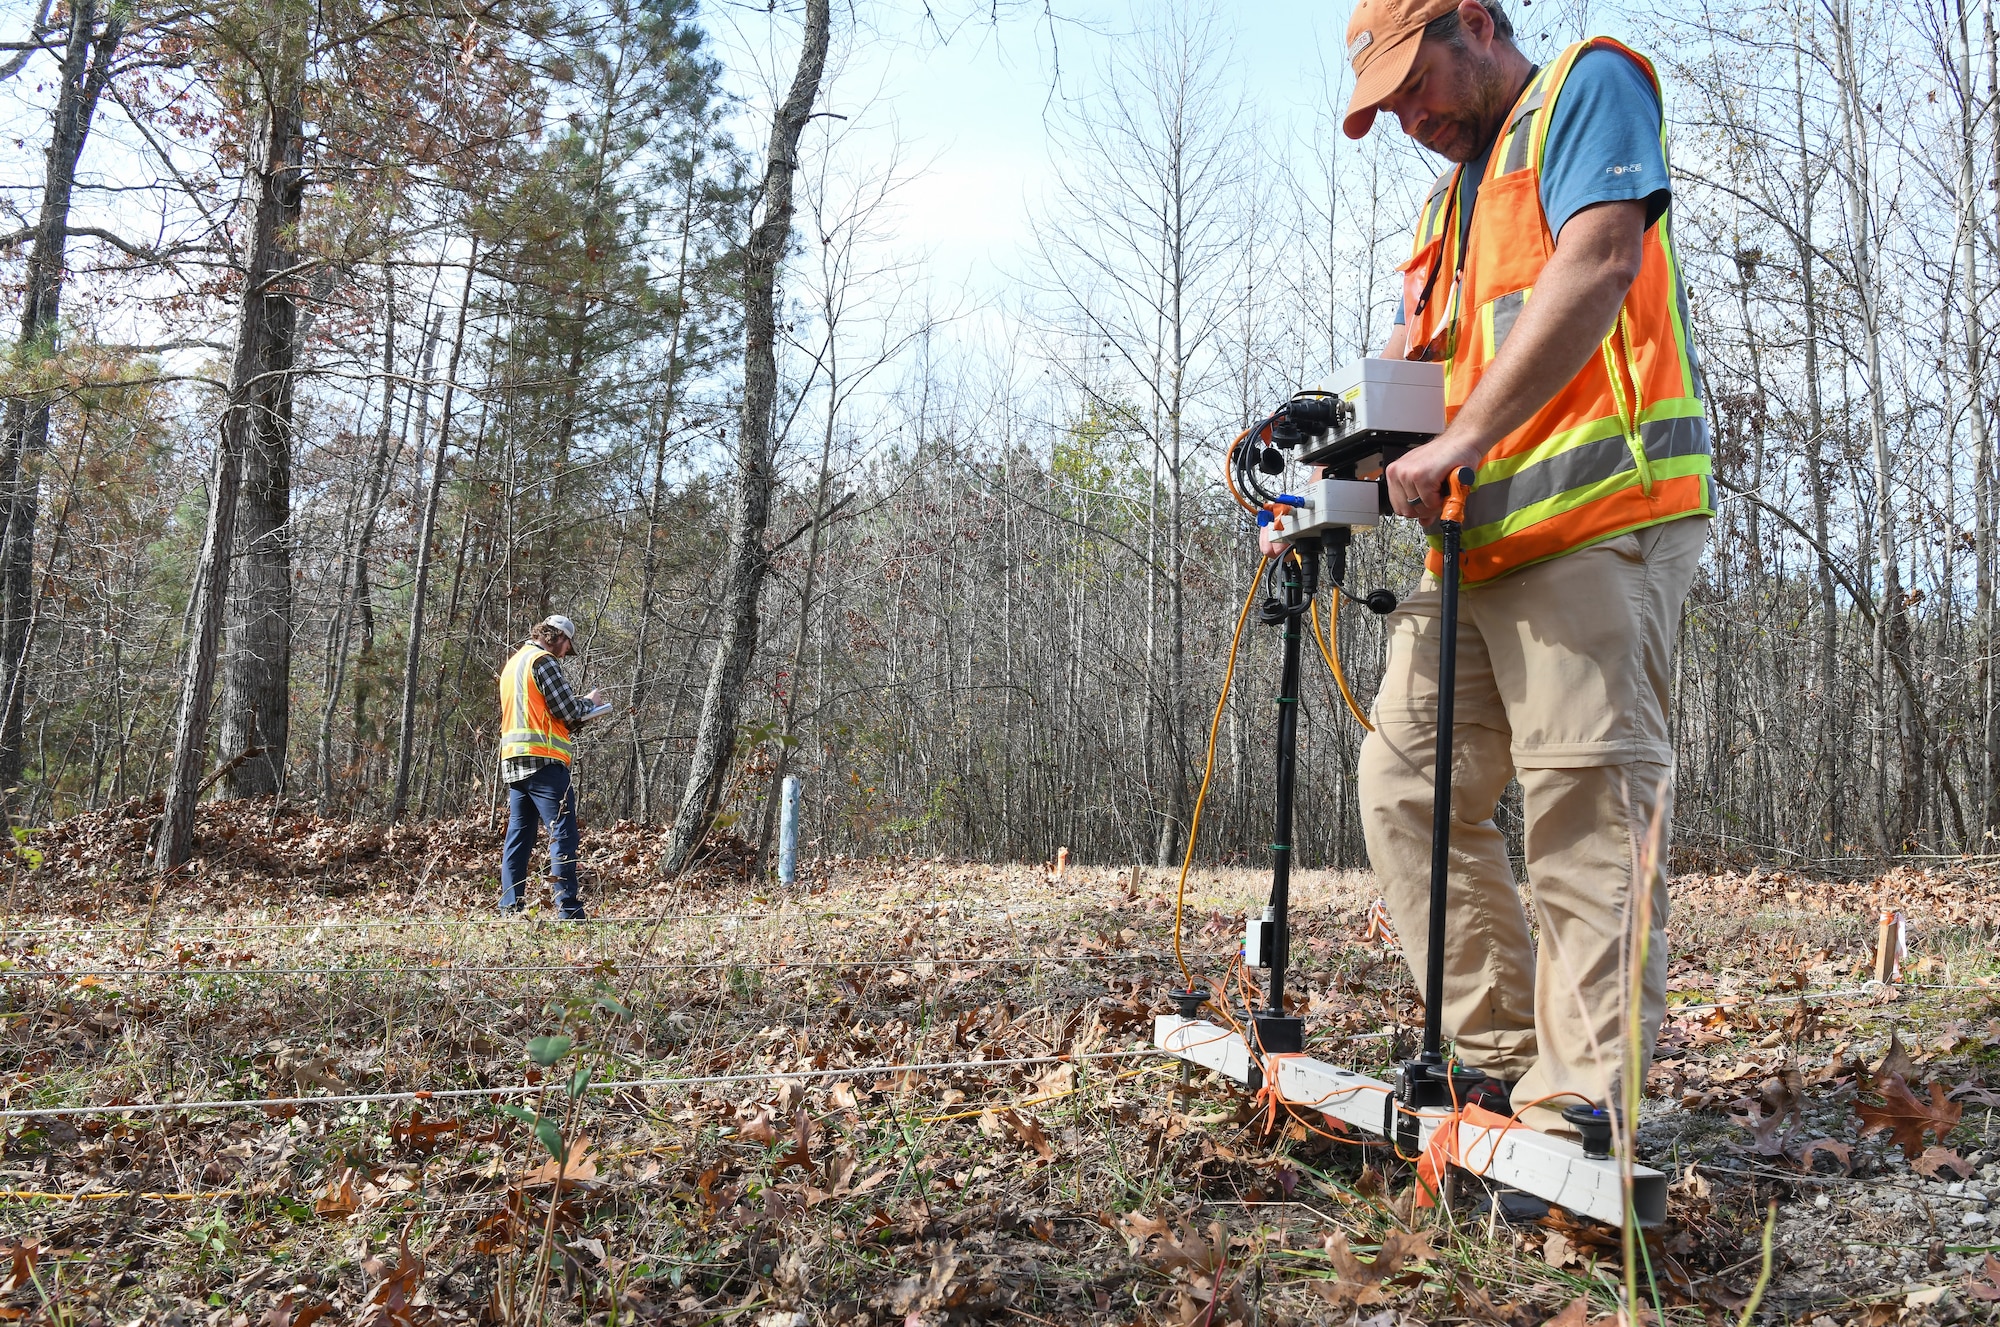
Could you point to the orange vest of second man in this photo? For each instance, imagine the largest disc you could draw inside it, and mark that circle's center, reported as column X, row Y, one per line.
column 526, row 726
column 1626, row 443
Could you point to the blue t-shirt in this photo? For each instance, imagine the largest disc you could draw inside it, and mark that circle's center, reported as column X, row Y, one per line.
column 1603, row 146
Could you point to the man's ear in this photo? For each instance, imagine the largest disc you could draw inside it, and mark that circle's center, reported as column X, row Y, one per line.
column 1476, row 23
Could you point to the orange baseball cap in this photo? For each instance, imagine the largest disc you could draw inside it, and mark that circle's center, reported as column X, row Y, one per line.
column 1382, row 40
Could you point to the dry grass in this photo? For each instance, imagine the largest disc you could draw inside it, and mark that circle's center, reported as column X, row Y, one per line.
column 1101, row 1191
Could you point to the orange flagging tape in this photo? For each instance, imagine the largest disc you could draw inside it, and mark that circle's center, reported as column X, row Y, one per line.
column 1443, row 1150
column 1269, row 1097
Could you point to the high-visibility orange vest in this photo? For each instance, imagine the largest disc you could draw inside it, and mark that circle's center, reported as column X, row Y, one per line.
column 1626, row 443
column 526, row 726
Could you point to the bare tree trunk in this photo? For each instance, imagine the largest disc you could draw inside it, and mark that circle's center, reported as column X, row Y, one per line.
column 794, row 680
column 257, row 661
column 747, row 561
column 1989, row 813
column 86, row 65
column 353, row 567
column 1892, row 624
column 446, row 707
column 1975, row 404
column 649, row 562
column 1817, row 466
column 265, row 320
column 406, row 732
column 1177, row 754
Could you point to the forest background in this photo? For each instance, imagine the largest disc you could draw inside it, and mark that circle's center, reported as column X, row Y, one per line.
column 358, row 336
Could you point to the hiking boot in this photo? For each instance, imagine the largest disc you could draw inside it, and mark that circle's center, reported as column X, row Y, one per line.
column 1494, row 1094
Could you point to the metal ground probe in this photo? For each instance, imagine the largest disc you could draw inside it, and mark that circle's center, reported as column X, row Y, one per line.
column 1273, row 1031
column 1428, row 1080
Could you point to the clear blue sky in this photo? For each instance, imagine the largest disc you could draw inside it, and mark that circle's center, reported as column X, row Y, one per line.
column 971, row 112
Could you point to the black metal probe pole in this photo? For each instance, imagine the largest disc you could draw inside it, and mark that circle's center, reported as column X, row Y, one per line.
column 1276, row 1032
column 1448, row 533
column 1427, row 1080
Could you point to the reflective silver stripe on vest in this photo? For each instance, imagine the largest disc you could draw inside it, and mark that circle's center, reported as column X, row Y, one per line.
column 529, row 735
column 1590, row 463
column 1517, row 146
column 1534, row 100
column 1505, row 310
column 1430, row 217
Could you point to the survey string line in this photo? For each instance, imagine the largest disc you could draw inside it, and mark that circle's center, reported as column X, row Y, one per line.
column 611, row 966
column 527, row 1089
column 112, row 1195
column 1787, row 997
column 199, row 926
column 613, row 969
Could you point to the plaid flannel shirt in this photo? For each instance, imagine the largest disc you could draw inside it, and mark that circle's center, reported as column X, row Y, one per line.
column 563, row 703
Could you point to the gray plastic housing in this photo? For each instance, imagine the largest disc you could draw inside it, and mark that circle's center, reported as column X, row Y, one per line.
column 1330, row 503
column 1397, row 404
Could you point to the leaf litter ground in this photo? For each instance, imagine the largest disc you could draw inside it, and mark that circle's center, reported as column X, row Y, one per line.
column 305, row 958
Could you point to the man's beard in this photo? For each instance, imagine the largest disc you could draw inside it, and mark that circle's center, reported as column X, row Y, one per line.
column 1481, row 91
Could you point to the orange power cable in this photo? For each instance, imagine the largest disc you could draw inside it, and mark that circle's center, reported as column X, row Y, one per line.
column 1229, row 471
column 1208, row 767
column 1332, row 656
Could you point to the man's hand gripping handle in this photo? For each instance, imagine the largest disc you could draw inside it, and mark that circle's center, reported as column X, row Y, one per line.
column 1457, row 488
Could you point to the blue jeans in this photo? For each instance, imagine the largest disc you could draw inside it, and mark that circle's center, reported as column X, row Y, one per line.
column 544, row 797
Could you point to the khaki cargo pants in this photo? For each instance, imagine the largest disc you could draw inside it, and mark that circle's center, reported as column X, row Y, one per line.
column 1564, row 671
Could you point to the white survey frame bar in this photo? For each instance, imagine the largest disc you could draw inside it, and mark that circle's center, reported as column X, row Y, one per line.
column 1553, row 1169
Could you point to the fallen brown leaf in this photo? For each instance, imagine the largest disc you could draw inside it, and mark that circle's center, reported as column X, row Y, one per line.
column 1359, row 1283
column 283, row 1315
column 304, row 1071
column 1906, row 1118
column 1473, row 1303
column 758, row 1129
column 392, row 1301
column 22, row 1256
column 578, row 1166
column 800, row 1152
column 936, row 1289
column 1984, row 1284
column 1839, row 1151
column 420, row 1135
column 1137, row 1228
column 1578, row 1315
column 1937, row 1159
column 1200, row 1268
column 340, row 1199
column 1951, row 1038
column 1029, row 1133
column 1896, row 1062
column 1763, row 1129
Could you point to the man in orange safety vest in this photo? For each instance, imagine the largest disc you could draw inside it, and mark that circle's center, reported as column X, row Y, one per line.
column 1544, row 279
column 538, row 712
